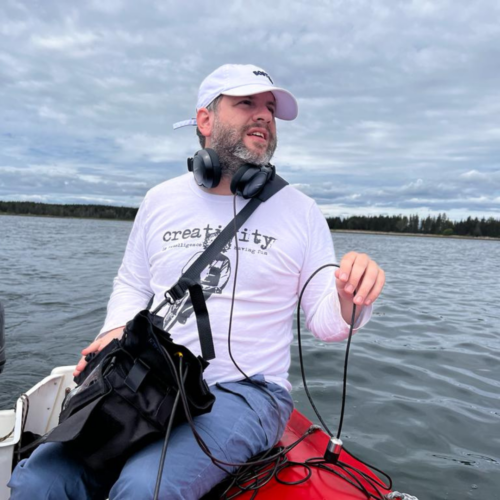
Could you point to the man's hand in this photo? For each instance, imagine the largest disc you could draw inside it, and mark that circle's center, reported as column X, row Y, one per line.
column 358, row 273
column 97, row 346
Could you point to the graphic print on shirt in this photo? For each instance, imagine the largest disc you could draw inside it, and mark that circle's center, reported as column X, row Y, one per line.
column 216, row 276
column 254, row 241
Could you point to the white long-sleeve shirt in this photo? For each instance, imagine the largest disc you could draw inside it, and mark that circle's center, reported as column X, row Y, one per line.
column 282, row 243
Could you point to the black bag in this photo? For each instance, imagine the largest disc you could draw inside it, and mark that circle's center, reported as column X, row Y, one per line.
column 126, row 397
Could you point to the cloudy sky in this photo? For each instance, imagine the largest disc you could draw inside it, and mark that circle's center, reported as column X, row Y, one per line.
column 399, row 101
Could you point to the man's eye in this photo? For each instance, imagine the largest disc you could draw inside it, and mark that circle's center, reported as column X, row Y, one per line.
column 246, row 101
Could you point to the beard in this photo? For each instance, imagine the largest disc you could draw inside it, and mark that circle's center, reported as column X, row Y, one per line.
column 228, row 143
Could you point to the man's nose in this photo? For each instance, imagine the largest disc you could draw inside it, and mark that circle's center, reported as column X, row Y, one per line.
column 263, row 114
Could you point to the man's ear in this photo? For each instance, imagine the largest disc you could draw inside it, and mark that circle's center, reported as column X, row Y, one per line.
column 204, row 121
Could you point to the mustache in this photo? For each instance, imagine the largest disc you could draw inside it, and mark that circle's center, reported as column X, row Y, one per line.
column 262, row 126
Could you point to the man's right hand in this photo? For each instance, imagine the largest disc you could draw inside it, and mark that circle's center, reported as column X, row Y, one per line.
column 97, row 346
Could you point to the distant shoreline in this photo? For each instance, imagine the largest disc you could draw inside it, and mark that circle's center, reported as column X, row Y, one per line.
column 353, row 231
column 418, row 235
column 46, row 216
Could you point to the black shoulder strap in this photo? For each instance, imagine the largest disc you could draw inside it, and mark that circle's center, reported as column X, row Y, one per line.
column 190, row 279
column 215, row 248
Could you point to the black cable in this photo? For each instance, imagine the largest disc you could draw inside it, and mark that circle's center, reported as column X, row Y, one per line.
column 271, row 396
column 299, row 481
column 373, row 483
column 346, row 471
column 189, row 418
column 260, row 477
column 182, row 391
column 389, row 479
column 346, row 359
column 242, row 476
column 344, row 387
column 255, row 473
column 167, row 435
column 218, row 462
column 198, row 438
column 341, row 473
column 279, row 430
column 231, row 310
column 299, row 339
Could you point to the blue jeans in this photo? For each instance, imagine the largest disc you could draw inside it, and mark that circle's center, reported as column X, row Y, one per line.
column 243, row 422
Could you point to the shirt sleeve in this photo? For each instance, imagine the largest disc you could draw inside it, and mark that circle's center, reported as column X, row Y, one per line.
column 131, row 287
column 320, row 301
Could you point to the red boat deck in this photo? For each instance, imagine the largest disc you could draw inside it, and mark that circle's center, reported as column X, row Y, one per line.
column 321, row 484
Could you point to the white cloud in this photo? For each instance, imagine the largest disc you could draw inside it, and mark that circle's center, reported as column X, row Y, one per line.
column 108, row 7
column 398, row 104
column 153, row 148
column 51, row 114
column 65, row 42
column 474, row 175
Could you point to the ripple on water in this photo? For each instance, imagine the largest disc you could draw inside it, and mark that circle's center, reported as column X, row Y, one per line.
column 423, row 385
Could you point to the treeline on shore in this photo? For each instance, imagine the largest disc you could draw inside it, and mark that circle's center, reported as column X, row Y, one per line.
column 52, row 210
column 439, row 225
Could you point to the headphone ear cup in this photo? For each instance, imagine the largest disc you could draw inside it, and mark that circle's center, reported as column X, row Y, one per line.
column 235, row 181
column 249, row 180
column 206, row 168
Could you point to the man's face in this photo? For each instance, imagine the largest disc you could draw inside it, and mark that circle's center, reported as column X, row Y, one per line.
column 244, row 131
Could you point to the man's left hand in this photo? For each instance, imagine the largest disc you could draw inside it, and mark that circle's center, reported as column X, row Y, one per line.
column 358, row 273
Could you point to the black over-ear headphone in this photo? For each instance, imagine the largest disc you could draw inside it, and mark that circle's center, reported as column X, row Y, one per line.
column 248, row 181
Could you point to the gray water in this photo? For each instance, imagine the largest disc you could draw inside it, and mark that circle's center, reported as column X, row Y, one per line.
column 424, row 375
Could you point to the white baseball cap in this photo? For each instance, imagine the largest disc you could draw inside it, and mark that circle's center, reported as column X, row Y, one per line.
column 242, row 80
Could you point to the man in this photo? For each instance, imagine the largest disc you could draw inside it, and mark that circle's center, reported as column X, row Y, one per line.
column 280, row 246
